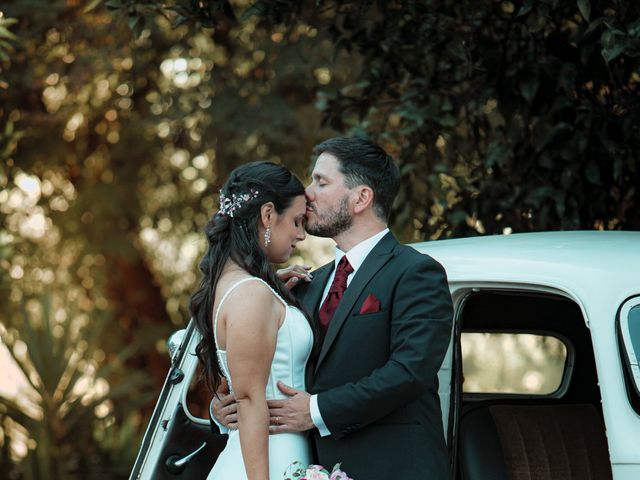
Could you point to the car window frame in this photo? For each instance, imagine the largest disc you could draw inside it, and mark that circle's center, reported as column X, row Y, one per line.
column 624, row 345
column 163, row 412
column 188, row 378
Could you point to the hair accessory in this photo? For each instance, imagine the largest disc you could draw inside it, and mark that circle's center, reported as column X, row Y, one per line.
column 229, row 205
column 267, row 236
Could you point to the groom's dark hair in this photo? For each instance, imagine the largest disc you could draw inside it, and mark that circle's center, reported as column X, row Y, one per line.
column 362, row 162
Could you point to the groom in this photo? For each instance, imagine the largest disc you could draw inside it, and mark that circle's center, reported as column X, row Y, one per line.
column 385, row 316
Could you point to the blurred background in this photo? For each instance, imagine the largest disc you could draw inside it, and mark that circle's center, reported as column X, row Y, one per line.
column 120, row 118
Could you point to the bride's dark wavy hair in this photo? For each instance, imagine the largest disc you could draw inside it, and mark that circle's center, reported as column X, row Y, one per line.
column 236, row 238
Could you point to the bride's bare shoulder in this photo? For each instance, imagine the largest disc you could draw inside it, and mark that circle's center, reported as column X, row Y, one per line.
column 244, row 293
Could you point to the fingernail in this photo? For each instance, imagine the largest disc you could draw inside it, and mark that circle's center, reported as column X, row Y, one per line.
column 294, row 279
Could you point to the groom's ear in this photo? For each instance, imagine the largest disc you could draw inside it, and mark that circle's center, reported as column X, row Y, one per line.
column 267, row 212
column 364, row 198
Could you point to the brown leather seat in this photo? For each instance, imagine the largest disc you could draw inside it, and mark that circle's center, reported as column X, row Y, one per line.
column 529, row 442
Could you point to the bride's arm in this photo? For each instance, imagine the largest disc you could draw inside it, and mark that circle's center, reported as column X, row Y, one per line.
column 252, row 327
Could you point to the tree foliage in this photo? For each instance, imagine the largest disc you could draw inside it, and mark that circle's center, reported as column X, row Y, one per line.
column 69, row 407
column 112, row 149
column 504, row 115
column 119, row 118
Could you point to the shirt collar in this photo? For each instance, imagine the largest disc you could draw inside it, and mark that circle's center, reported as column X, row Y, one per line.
column 359, row 252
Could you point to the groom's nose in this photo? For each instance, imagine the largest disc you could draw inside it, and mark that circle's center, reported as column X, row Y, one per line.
column 308, row 192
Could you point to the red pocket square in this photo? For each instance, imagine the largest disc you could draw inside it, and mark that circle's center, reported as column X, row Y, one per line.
column 370, row 305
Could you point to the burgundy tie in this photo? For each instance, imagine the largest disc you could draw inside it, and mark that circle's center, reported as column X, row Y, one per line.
column 338, row 286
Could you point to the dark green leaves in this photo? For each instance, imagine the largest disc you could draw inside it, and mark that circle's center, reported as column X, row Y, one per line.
column 585, row 8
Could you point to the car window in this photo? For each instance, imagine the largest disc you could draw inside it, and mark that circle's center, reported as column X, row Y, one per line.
column 513, row 363
column 634, row 330
column 198, row 397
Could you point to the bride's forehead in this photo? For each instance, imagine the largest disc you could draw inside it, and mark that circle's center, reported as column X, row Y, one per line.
column 298, row 206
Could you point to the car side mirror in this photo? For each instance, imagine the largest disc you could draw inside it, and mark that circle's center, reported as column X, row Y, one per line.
column 174, row 342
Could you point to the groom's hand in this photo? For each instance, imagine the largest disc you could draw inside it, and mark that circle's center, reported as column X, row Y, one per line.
column 292, row 414
column 224, row 406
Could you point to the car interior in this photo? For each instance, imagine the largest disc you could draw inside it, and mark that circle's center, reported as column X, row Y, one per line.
column 524, row 436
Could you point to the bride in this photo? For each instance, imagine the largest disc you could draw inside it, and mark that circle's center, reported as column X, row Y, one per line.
column 254, row 332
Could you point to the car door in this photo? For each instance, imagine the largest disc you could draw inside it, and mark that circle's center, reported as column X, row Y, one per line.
column 176, row 444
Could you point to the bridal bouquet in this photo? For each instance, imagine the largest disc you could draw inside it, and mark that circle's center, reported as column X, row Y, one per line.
column 297, row 471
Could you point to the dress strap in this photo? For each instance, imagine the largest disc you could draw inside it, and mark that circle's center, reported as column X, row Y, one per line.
column 231, row 289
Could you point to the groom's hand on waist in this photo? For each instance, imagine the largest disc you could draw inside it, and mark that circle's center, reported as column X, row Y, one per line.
column 291, row 414
column 224, row 407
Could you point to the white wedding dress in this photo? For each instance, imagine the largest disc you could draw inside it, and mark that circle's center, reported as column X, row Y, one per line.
column 293, row 347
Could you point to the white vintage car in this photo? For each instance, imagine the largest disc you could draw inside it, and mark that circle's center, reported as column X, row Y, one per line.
column 542, row 379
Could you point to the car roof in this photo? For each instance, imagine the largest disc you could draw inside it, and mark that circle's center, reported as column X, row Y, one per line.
column 589, row 261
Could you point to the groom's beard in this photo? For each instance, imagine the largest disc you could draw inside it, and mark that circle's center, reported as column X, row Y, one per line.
column 331, row 223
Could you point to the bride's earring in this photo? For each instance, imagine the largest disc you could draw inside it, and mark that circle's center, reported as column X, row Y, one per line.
column 267, row 236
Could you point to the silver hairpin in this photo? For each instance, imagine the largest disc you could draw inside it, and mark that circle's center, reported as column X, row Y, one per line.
column 230, row 205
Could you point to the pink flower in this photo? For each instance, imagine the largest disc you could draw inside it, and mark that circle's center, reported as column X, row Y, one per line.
column 339, row 475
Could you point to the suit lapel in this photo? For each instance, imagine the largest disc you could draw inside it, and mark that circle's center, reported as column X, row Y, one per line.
column 380, row 255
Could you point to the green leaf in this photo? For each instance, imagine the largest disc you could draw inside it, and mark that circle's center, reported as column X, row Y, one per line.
column 92, row 5
column 7, row 22
column 594, row 25
column 447, row 121
column 592, row 172
column 257, row 9
column 179, row 20
column 456, row 48
column 497, row 153
column 525, row 8
column 611, row 25
column 538, row 195
column 407, row 168
column 538, row 19
column 114, row 4
column 613, row 52
column 529, row 86
column 585, row 8
column 17, row 413
column 4, row 33
column 136, row 24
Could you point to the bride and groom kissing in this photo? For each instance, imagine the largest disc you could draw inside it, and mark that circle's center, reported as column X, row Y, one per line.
column 335, row 366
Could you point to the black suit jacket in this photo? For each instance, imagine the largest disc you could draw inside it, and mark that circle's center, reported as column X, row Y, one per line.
column 376, row 373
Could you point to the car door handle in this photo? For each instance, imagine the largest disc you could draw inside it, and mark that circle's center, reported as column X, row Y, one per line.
column 176, row 465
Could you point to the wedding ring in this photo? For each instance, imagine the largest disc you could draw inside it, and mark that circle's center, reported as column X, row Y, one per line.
column 277, row 420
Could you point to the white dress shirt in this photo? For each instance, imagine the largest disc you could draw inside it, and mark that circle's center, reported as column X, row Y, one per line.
column 356, row 256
